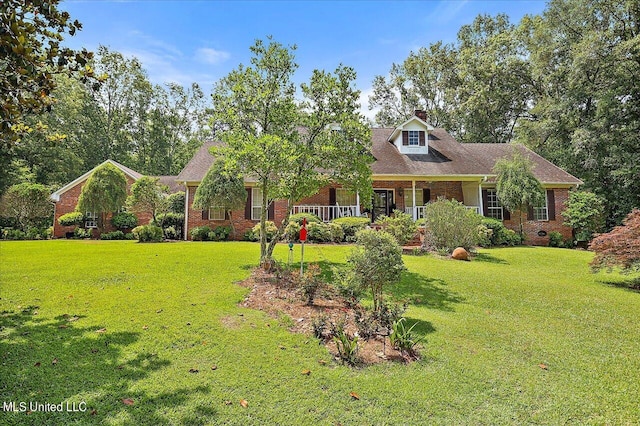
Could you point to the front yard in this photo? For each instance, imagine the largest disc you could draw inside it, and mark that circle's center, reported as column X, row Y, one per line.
column 131, row 333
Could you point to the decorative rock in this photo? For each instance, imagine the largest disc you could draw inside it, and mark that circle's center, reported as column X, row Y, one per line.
column 460, row 254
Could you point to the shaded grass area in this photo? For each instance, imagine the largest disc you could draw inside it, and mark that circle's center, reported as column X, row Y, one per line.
column 148, row 323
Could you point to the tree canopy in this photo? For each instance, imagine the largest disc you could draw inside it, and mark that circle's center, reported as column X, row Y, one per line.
column 291, row 148
column 104, row 191
column 148, row 196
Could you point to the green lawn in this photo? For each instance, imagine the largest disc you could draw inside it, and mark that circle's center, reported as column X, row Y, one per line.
column 171, row 308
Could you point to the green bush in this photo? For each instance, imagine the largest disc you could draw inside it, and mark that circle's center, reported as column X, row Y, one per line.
column 13, row 234
column 449, row 224
column 170, row 233
column 176, row 202
column 124, row 220
column 401, row 226
column 148, row 233
column 71, row 219
column 292, row 232
column 35, row 233
column 318, row 232
column 254, row 233
column 351, row 225
column 337, row 234
column 82, row 233
column 171, row 220
column 402, row 339
column 115, row 235
column 297, row 218
column 205, row 233
column 499, row 235
column 556, row 239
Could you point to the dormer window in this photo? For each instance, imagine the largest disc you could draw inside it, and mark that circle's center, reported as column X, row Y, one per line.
column 413, row 138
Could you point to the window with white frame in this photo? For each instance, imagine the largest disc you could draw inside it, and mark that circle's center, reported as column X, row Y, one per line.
column 216, row 213
column 91, row 220
column 345, row 197
column 414, row 137
column 541, row 212
column 408, row 197
column 256, row 204
column 494, row 208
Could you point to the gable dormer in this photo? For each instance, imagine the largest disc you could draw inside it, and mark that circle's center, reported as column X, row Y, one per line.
column 412, row 136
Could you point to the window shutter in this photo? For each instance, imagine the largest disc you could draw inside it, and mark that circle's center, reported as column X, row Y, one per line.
column 485, row 202
column 530, row 213
column 422, row 139
column 247, row 207
column 332, row 196
column 426, row 195
column 205, row 214
column 405, row 137
column 271, row 213
column 551, row 204
column 226, row 215
column 506, row 214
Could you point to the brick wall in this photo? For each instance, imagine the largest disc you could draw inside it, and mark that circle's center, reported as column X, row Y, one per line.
column 68, row 202
column 532, row 228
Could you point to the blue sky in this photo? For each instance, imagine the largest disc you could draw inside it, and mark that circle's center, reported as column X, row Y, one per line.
column 201, row 41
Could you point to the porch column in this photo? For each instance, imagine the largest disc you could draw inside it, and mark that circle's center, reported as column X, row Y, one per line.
column 480, row 206
column 357, row 203
column 415, row 208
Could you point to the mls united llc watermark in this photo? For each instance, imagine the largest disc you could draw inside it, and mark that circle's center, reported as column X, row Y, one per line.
column 43, row 407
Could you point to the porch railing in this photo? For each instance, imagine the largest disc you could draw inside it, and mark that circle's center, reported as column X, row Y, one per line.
column 418, row 212
column 326, row 213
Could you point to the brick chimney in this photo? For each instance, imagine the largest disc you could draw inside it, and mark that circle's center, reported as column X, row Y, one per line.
column 421, row 114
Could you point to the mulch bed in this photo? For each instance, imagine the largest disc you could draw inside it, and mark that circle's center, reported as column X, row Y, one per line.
column 276, row 296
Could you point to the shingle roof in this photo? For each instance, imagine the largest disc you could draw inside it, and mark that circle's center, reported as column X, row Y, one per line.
column 448, row 157
column 199, row 164
column 171, row 182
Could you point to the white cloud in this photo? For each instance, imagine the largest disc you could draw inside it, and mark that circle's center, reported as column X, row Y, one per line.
column 364, row 104
column 211, row 56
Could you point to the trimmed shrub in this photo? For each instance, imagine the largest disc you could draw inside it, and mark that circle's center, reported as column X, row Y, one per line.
column 13, row 234
column 124, row 220
column 148, row 233
column 555, row 239
column 351, row 225
column 337, row 234
column 254, row 233
column 200, row 233
column 401, row 226
column 170, row 233
column 82, row 233
column 297, row 218
column 71, row 219
column 115, row 235
column 205, row 233
column 176, row 202
column 171, row 220
column 499, row 235
column 292, row 232
column 318, row 232
column 450, row 224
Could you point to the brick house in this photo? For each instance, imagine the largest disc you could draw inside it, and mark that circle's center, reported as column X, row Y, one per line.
column 415, row 163
column 66, row 198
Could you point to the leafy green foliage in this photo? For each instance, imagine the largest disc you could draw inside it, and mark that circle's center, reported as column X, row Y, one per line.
column 124, row 220
column 516, row 186
column 376, row 263
column 555, row 239
column 257, row 108
column 31, row 33
column 400, row 225
column 297, row 218
column 104, row 191
column 347, row 345
column 71, row 219
column 254, row 233
column 148, row 196
column 403, row 339
column 27, row 203
column 310, row 282
column 115, row 235
column 449, row 225
column 620, row 247
column 351, row 225
column 584, row 212
column 176, row 202
column 205, row 233
column 498, row 234
column 148, row 233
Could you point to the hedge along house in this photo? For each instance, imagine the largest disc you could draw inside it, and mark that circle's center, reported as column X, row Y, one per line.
column 66, row 198
column 415, row 163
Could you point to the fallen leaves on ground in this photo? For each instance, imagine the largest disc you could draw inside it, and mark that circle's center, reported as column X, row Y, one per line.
column 543, row 366
column 244, row 403
column 194, row 370
column 55, row 361
column 354, row 395
column 102, row 330
column 128, row 401
column 306, row 372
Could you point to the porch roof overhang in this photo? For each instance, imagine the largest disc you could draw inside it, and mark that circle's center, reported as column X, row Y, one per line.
column 430, row 178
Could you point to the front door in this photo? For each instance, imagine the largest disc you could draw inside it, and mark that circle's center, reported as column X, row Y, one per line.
column 382, row 203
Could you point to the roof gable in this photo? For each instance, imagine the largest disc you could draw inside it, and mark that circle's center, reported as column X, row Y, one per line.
column 126, row 170
column 396, row 132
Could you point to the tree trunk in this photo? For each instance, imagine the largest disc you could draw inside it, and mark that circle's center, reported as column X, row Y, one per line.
column 280, row 232
column 233, row 228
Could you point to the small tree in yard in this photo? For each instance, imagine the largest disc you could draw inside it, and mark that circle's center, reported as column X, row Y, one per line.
column 584, row 213
column 148, row 196
column 221, row 188
column 449, row 224
column 620, row 247
column 516, row 186
column 261, row 124
column 376, row 263
column 105, row 191
column 27, row 203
